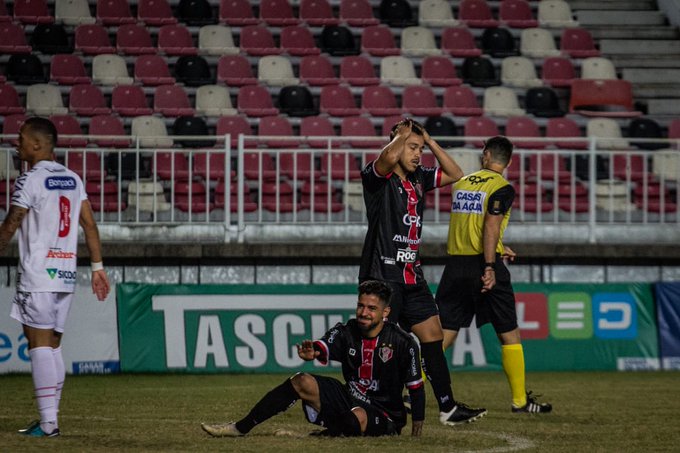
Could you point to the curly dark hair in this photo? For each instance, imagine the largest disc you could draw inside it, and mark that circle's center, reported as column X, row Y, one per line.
column 378, row 288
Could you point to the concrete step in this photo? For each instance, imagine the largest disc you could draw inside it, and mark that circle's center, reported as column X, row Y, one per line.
column 612, row 5
column 663, row 107
column 658, row 91
column 640, row 47
column 644, row 75
column 633, row 32
column 595, row 17
column 638, row 61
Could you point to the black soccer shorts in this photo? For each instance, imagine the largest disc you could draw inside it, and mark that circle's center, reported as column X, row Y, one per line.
column 335, row 402
column 411, row 304
column 460, row 299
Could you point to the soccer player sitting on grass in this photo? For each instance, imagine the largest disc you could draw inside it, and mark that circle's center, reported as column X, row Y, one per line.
column 378, row 360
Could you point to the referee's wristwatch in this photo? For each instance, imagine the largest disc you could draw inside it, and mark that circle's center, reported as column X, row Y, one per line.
column 491, row 265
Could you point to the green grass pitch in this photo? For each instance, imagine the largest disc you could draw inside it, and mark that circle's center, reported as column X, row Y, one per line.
column 608, row 411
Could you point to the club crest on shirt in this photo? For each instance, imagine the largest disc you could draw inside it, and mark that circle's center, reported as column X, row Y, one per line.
column 385, row 353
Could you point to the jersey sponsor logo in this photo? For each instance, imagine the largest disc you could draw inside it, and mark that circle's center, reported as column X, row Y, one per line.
column 406, row 255
column 411, row 220
column 468, row 202
column 385, row 353
column 60, row 183
column 352, row 352
column 473, row 179
column 59, row 254
column 406, row 239
column 67, row 276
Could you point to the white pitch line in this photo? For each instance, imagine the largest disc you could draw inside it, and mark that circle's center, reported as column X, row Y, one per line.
column 516, row 443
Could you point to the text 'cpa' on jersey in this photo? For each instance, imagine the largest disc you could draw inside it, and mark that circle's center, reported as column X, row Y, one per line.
column 60, row 183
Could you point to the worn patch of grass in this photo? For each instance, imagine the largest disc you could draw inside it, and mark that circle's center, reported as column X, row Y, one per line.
column 609, row 411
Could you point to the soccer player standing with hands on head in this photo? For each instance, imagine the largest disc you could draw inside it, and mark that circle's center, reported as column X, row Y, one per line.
column 394, row 193
column 47, row 204
column 378, row 360
column 476, row 282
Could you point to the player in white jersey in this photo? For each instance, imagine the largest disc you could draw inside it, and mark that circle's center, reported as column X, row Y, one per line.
column 47, row 205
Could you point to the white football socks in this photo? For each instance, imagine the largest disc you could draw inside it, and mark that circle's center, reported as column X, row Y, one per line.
column 45, row 385
column 61, row 375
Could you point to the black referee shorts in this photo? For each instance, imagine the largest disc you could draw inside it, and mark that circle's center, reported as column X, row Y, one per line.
column 460, row 298
column 336, row 402
column 411, row 304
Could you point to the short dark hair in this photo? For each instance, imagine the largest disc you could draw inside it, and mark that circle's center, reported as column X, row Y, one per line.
column 43, row 126
column 416, row 127
column 378, row 288
column 500, row 148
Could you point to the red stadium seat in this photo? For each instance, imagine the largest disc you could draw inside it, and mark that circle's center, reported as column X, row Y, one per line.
column 317, row 70
column 277, row 13
column 439, row 71
column 257, row 40
column 254, row 100
column 68, row 69
column 210, row 166
column 565, row 128
column 192, row 196
column 357, row 13
column 237, row 13
column 172, row 166
column 32, row 12
column 87, row 100
column 104, row 196
column 578, row 43
column 66, row 126
column 9, row 100
column 608, row 98
column 558, row 71
column 338, row 101
column 480, row 127
column 461, row 101
column 277, row 126
column 379, row 100
column 11, row 125
column 129, row 100
column 476, row 14
column 152, row 70
column 259, row 165
column 377, row 40
column 93, row 39
column 317, row 126
column 235, row 70
column 358, row 70
column 298, row 41
column 459, row 42
column 13, row 39
column 4, row 15
column 517, row 14
column 86, row 165
column 133, row 39
column 155, row 12
column 248, row 204
column 172, row 100
column 389, row 122
column 234, row 126
column 359, row 126
column 114, row 12
column 176, row 40
column 110, row 126
column 525, row 127
column 420, row 101
column 317, row 13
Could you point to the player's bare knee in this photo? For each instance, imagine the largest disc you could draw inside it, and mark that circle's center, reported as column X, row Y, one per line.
column 303, row 383
column 361, row 415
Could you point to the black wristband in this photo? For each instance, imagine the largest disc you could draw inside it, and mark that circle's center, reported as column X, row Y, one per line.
column 491, row 265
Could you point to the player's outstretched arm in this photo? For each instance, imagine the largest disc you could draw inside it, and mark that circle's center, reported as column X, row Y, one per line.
column 306, row 350
column 10, row 225
column 100, row 281
column 451, row 171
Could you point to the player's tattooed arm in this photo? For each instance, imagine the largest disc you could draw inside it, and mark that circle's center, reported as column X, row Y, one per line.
column 10, row 225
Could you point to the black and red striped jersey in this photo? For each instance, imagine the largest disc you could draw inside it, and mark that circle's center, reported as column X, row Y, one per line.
column 395, row 211
column 376, row 370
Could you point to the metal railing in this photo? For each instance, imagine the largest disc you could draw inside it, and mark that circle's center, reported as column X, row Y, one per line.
column 313, row 182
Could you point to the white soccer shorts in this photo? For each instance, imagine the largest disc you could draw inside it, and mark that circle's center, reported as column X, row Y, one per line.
column 42, row 310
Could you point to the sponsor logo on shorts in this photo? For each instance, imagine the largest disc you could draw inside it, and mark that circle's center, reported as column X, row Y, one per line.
column 406, row 255
column 60, row 254
column 60, row 183
column 468, row 202
column 405, row 239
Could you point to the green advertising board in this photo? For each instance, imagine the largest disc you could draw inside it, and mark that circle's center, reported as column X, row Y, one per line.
column 254, row 328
